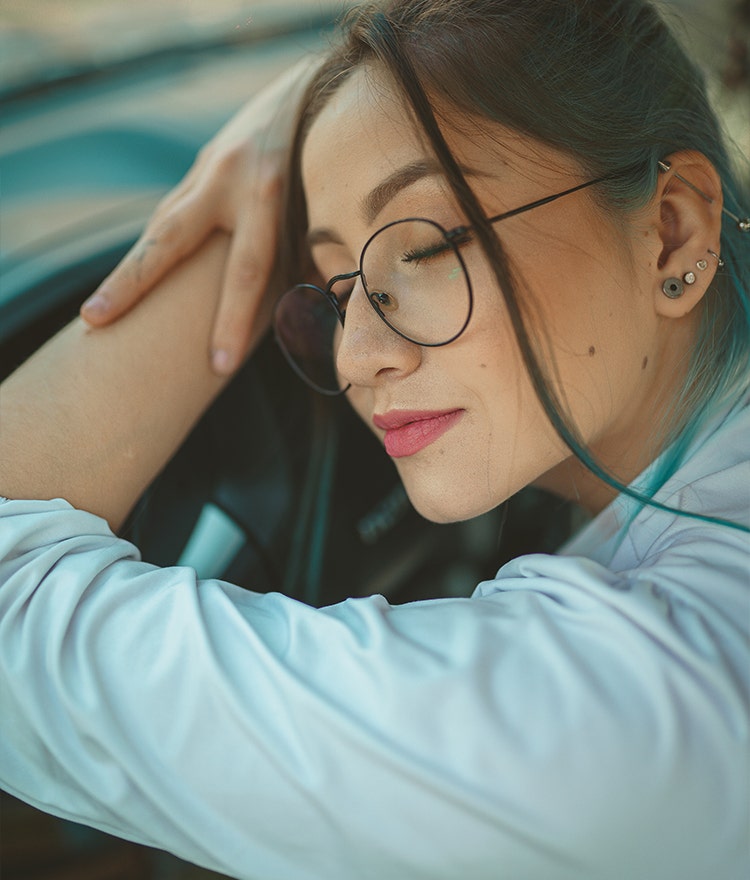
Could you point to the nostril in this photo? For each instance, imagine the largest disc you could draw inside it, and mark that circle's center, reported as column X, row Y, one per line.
column 370, row 352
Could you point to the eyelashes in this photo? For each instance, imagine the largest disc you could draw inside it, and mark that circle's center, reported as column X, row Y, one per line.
column 439, row 248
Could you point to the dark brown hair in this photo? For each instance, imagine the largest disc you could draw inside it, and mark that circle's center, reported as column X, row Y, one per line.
column 603, row 81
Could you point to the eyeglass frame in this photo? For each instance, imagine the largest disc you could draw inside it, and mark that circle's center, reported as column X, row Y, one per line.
column 450, row 235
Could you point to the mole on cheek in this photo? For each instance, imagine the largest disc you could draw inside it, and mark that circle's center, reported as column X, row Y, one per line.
column 592, row 351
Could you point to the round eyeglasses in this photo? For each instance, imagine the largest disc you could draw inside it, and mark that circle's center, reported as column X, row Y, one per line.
column 413, row 276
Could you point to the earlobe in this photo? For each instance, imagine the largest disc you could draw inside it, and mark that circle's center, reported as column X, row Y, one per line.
column 687, row 215
column 682, row 294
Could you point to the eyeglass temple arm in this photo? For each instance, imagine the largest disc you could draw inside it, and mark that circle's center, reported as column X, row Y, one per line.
column 545, row 201
column 743, row 223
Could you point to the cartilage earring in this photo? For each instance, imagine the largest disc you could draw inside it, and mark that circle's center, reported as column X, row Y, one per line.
column 689, row 278
column 702, row 265
column 673, row 288
column 743, row 223
column 717, row 258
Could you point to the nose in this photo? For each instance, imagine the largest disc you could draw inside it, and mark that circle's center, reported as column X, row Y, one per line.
column 368, row 351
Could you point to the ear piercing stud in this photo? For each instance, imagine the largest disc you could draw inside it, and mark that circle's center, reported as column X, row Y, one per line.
column 673, row 288
column 689, row 277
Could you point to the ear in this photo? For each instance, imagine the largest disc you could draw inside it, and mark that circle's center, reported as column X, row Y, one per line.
column 686, row 213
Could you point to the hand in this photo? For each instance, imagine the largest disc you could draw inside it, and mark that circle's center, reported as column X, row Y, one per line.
column 235, row 186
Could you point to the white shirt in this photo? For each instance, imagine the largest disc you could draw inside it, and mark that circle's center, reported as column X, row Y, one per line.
column 582, row 717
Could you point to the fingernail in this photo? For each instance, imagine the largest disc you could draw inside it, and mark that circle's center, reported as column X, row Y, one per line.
column 95, row 305
column 222, row 361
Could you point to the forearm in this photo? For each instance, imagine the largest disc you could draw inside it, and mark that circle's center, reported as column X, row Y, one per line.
column 94, row 415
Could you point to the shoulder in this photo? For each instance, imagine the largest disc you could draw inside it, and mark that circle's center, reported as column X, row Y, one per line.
column 665, row 592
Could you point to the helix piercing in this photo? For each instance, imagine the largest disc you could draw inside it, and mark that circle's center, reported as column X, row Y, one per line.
column 673, row 288
column 717, row 258
column 743, row 223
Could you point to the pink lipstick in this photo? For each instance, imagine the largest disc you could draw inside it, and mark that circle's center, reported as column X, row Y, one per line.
column 409, row 431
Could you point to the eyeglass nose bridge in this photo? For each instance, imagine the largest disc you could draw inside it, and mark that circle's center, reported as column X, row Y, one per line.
column 341, row 312
column 331, row 296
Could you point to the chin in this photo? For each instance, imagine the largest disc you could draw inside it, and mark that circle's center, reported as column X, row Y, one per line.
column 444, row 507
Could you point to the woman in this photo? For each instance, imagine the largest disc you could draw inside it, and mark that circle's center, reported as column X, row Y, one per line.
column 530, row 284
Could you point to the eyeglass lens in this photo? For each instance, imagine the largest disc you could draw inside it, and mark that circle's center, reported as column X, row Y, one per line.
column 413, row 277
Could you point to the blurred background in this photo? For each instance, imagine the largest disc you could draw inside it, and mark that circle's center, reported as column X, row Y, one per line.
column 45, row 39
column 46, row 46
column 49, row 38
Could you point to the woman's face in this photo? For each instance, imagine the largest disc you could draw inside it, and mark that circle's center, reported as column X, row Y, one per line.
column 462, row 421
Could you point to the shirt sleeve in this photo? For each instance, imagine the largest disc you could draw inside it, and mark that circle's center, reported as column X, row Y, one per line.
column 565, row 723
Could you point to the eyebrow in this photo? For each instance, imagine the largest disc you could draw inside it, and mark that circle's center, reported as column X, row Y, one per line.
column 378, row 197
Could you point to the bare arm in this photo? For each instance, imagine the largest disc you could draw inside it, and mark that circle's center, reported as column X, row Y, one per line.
column 93, row 416
column 241, row 166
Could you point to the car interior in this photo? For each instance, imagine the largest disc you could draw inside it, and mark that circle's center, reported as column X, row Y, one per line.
column 276, row 489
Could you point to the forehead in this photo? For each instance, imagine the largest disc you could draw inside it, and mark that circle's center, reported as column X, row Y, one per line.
column 365, row 132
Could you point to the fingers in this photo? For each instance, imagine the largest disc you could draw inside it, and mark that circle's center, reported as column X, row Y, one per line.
column 237, row 325
column 176, row 229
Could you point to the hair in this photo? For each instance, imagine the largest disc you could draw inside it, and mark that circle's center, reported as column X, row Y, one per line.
column 604, row 82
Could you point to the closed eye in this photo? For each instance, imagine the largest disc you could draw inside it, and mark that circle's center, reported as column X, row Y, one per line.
column 462, row 237
column 426, row 253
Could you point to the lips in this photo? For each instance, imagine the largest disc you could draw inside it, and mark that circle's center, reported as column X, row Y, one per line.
column 409, row 431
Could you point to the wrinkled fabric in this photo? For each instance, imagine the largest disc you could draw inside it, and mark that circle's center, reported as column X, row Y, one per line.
column 581, row 717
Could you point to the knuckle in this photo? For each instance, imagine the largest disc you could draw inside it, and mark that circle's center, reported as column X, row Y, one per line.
column 166, row 203
column 225, row 162
column 203, row 156
column 164, row 232
column 268, row 180
column 160, row 234
column 162, row 206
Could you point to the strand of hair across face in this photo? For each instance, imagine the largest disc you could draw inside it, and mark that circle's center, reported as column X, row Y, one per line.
column 398, row 62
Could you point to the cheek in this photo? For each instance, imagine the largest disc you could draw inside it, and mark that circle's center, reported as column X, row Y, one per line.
column 595, row 334
column 512, row 430
column 583, row 325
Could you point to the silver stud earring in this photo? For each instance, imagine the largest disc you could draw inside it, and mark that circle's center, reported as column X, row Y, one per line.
column 689, row 278
column 673, row 288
